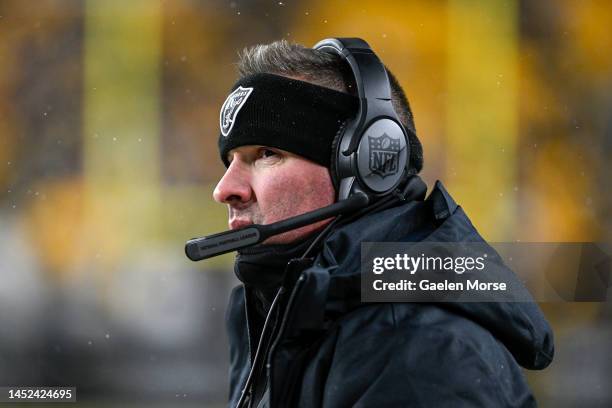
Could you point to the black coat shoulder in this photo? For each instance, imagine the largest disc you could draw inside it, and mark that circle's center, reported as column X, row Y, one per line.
column 420, row 355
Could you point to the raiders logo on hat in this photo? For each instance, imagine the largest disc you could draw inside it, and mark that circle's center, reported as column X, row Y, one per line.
column 231, row 107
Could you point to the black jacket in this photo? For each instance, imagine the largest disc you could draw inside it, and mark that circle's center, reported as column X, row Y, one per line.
column 331, row 350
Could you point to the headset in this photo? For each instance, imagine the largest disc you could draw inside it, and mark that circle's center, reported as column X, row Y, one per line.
column 372, row 151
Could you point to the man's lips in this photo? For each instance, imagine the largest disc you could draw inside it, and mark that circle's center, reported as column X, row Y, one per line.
column 239, row 223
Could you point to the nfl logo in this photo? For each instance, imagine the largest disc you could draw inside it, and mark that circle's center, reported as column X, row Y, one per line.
column 384, row 155
column 231, row 107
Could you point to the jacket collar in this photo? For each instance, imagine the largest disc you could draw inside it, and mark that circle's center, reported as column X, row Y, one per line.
column 331, row 287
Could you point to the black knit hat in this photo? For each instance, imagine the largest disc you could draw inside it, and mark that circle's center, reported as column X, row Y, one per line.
column 292, row 115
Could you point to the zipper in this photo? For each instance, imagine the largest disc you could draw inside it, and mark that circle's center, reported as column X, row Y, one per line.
column 246, row 314
column 270, row 338
column 274, row 336
column 262, row 368
column 281, row 328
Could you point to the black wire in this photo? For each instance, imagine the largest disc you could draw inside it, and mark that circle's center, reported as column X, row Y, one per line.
column 381, row 204
column 321, row 235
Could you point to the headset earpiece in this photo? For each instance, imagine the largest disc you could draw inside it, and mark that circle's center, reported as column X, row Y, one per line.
column 333, row 171
column 371, row 152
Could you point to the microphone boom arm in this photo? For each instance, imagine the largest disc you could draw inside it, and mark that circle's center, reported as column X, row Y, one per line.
column 210, row 246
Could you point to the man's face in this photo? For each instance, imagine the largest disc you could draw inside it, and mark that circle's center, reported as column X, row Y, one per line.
column 263, row 185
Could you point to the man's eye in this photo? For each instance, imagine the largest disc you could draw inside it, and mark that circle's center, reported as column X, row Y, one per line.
column 267, row 153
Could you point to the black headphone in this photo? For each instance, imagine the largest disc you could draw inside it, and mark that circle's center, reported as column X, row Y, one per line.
column 372, row 151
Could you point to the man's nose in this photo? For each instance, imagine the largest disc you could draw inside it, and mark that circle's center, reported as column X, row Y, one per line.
column 234, row 187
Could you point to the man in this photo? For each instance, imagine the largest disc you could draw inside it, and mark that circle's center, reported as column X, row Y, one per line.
column 299, row 334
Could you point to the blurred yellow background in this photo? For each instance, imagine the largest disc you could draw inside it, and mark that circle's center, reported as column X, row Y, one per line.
column 108, row 158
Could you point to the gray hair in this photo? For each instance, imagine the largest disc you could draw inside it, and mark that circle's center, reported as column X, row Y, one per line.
column 323, row 69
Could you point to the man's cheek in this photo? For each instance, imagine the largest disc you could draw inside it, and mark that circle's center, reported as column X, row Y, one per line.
column 272, row 195
column 268, row 208
column 285, row 206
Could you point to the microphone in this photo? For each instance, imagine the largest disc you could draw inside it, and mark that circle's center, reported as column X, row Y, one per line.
column 210, row 246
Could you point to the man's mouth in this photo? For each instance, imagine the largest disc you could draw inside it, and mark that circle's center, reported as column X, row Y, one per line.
column 239, row 223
